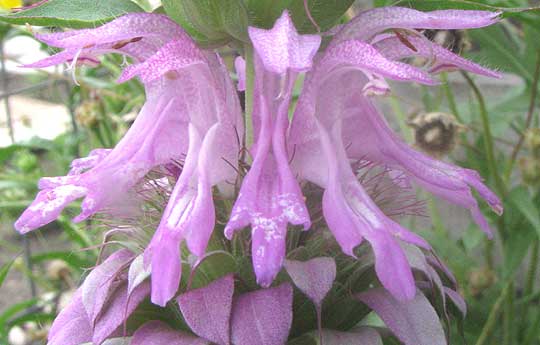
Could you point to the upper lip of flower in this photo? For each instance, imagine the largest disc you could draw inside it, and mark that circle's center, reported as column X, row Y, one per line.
column 333, row 117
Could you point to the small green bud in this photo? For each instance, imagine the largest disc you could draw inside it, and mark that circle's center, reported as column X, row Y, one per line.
column 532, row 140
column 530, row 170
column 481, row 279
column 87, row 114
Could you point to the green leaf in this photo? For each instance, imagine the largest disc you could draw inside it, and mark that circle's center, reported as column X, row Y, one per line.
column 70, row 258
column 498, row 51
column 210, row 21
column 263, row 13
column 4, row 271
column 524, row 203
column 14, row 310
column 73, row 13
column 32, row 144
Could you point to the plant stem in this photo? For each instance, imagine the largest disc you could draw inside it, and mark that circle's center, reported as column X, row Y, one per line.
column 488, row 138
column 532, row 334
column 528, row 121
column 533, row 267
column 508, row 316
column 450, row 97
column 529, row 283
column 493, row 315
column 401, row 117
column 250, row 85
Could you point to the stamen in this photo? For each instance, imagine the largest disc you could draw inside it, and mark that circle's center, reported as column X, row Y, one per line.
column 73, row 67
column 310, row 17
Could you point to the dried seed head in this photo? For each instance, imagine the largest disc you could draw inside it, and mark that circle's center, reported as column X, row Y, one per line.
column 454, row 40
column 435, row 133
column 530, row 170
column 481, row 279
column 532, row 139
column 87, row 113
column 58, row 270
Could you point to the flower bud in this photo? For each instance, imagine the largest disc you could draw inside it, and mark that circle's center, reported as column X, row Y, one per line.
column 17, row 336
column 530, row 170
column 57, row 270
column 481, row 279
column 87, row 113
column 532, row 140
column 435, row 133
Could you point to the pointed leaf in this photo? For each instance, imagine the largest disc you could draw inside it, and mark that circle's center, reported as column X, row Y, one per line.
column 521, row 198
column 207, row 310
column 118, row 310
column 262, row 317
column 72, row 13
column 314, row 277
column 137, row 273
column 4, row 271
column 457, row 300
column 414, row 322
column 159, row 333
column 363, row 336
column 99, row 283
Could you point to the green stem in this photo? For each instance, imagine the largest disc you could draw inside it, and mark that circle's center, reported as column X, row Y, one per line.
column 533, row 267
column 508, row 317
column 528, row 121
column 250, row 85
column 488, row 137
column 532, row 334
column 494, row 315
column 529, row 283
column 450, row 97
column 401, row 118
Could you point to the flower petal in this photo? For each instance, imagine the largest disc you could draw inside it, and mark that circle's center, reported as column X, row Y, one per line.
column 47, row 207
column 371, row 22
column 441, row 59
column 282, row 48
column 127, row 27
column 364, row 57
column 173, row 56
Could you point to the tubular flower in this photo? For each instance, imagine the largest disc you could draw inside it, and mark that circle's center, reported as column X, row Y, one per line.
column 336, row 123
column 104, row 177
column 270, row 196
column 191, row 112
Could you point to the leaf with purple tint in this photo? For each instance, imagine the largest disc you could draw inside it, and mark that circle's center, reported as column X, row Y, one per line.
column 96, row 288
column 118, row 310
column 314, row 277
column 363, row 336
column 137, row 273
column 207, row 310
column 457, row 300
column 114, row 341
column 414, row 322
column 262, row 317
column 159, row 333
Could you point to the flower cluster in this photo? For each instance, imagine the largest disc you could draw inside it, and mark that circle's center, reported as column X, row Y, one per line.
column 192, row 114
